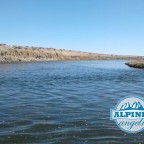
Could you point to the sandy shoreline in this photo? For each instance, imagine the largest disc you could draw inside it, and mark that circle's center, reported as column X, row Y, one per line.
column 32, row 54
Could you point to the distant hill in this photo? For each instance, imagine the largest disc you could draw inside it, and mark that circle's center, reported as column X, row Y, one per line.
column 26, row 54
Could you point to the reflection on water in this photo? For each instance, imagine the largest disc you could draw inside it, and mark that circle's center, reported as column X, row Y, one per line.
column 65, row 102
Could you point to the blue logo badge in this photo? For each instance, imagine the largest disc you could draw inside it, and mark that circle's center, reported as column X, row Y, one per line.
column 129, row 114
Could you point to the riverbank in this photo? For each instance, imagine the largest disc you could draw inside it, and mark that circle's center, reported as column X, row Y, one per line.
column 28, row 54
column 136, row 64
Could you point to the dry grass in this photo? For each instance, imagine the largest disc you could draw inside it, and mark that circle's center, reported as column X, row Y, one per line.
column 136, row 64
column 19, row 53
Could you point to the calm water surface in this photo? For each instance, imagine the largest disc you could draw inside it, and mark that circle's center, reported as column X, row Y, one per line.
column 66, row 102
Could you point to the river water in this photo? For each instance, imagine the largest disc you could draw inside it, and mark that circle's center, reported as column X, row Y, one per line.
column 66, row 102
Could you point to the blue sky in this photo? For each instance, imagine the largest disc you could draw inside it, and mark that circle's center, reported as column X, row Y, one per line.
column 102, row 26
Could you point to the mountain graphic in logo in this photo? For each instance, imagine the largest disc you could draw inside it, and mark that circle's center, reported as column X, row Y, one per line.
column 134, row 106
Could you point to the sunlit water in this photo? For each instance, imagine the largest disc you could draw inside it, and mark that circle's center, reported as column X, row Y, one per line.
column 66, row 102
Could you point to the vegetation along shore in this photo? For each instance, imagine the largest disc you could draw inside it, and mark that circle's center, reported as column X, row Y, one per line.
column 26, row 54
column 136, row 64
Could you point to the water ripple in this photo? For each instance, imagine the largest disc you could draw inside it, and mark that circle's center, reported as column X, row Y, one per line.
column 65, row 102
